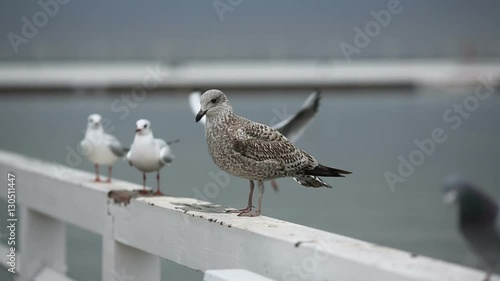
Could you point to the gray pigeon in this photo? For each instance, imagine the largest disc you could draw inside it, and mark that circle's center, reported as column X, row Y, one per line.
column 255, row 151
column 478, row 220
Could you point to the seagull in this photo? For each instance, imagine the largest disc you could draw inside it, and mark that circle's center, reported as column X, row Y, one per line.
column 101, row 148
column 478, row 220
column 255, row 151
column 292, row 128
column 148, row 154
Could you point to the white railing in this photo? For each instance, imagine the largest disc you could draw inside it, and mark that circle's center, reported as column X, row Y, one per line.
column 188, row 232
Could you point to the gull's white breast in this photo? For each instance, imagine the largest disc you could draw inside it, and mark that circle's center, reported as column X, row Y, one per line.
column 145, row 155
column 97, row 150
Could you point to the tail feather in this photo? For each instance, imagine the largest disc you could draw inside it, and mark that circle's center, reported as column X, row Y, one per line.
column 325, row 171
column 311, row 181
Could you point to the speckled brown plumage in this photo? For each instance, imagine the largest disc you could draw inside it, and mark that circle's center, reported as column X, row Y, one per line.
column 255, row 151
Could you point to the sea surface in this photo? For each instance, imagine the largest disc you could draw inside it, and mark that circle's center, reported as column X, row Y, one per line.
column 366, row 132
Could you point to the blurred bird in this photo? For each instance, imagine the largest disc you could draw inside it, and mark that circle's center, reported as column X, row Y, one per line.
column 478, row 220
column 148, row 154
column 292, row 128
column 101, row 148
column 255, row 151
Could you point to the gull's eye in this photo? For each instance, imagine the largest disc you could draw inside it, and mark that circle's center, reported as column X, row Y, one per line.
column 145, row 125
column 213, row 100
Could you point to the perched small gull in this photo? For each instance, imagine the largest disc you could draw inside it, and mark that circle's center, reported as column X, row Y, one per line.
column 254, row 151
column 292, row 128
column 148, row 154
column 101, row 148
column 478, row 220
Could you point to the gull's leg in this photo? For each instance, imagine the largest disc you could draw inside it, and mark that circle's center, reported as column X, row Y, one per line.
column 249, row 206
column 110, row 170
column 158, row 192
column 143, row 191
column 97, row 179
column 256, row 213
column 274, row 184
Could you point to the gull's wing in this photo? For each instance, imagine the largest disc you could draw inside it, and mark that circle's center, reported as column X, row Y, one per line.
column 115, row 146
column 128, row 158
column 173, row 141
column 294, row 126
column 194, row 103
column 263, row 143
column 166, row 155
column 85, row 146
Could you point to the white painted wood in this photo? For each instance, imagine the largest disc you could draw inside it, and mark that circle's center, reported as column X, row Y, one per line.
column 108, row 249
column 65, row 194
column 49, row 274
column 233, row 275
column 134, row 264
column 200, row 236
column 124, row 263
column 43, row 244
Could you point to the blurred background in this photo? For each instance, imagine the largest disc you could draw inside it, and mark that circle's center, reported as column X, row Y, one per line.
column 390, row 75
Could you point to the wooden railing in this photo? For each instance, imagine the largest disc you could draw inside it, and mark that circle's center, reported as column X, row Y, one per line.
column 186, row 231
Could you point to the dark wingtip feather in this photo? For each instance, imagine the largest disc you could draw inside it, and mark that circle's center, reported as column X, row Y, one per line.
column 173, row 141
column 325, row 171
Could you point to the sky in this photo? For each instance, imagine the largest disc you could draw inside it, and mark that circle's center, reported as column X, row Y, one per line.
column 179, row 30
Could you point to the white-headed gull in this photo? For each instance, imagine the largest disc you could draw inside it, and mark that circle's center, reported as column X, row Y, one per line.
column 292, row 128
column 101, row 148
column 148, row 154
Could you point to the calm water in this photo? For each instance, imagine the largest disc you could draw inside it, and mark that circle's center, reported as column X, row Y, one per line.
column 361, row 132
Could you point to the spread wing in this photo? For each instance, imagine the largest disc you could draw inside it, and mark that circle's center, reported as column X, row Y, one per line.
column 263, row 143
column 115, row 146
column 166, row 155
column 294, row 126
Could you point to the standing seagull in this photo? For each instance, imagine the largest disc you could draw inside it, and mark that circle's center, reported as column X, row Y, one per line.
column 101, row 148
column 148, row 154
column 292, row 128
column 478, row 220
column 255, row 151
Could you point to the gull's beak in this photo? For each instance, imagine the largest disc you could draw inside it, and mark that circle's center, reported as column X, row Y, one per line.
column 200, row 115
column 137, row 130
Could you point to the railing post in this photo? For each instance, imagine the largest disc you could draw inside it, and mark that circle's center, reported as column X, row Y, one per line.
column 42, row 244
column 125, row 263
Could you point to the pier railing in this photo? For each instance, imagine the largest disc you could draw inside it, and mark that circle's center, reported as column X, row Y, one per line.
column 186, row 231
